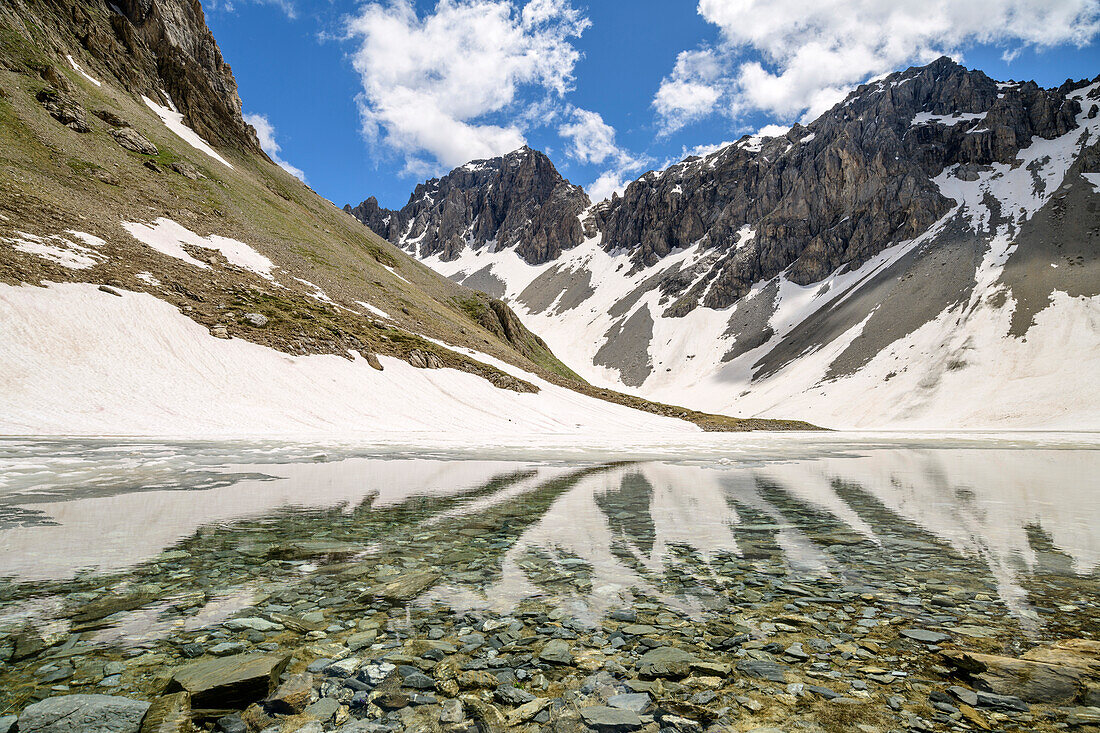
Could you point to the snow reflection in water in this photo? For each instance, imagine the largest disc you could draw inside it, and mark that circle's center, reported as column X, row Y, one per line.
column 594, row 535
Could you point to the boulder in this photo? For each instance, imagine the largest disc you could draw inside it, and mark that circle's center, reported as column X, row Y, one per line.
column 609, row 719
column 185, row 169
column 556, row 651
column 1059, row 673
column 762, row 669
column 292, row 696
column 229, row 683
column 666, row 661
column 83, row 714
column 131, row 139
column 64, row 109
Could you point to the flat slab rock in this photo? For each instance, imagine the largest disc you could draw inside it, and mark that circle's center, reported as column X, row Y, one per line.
column 229, row 683
column 83, row 714
column 666, row 661
column 610, row 719
column 404, row 588
column 925, row 636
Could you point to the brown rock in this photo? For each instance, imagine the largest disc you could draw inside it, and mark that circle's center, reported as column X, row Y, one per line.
column 229, row 683
column 292, row 696
column 169, row 714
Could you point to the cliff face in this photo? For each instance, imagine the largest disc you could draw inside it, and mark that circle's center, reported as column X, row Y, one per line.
column 150, row 47
column 518, row 201
column 835, row 193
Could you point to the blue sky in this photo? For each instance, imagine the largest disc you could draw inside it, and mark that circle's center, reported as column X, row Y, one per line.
column 368, row 98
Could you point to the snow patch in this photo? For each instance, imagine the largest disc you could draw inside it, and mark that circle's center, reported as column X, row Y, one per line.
column 374, row 310
column 77, row 69
column 134, row 365
column 927, row 118
column 60, row 250
column 168, row 237
column 173, row 120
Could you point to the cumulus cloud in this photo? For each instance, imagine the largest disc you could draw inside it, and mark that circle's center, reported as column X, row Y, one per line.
column 691, row 91
column 794, row 58
column 591, row 140
column 265, row 131
column 464, row 81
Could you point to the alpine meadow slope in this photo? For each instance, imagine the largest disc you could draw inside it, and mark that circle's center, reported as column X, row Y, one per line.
column 159, row 275
column 926, row 254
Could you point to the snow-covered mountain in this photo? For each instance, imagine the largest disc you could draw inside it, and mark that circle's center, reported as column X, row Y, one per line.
column 159, row 275
column 925, row 254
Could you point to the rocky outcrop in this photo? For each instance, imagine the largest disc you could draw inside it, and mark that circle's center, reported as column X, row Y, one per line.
column 149, row 47
column 516, row 201
column 834, row 193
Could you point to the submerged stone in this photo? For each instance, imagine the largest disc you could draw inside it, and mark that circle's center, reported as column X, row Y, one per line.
column 83, row 714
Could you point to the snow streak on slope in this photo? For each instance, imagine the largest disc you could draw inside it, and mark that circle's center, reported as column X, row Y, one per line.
column 136, row 366
column 962, row 366
column 173, row 120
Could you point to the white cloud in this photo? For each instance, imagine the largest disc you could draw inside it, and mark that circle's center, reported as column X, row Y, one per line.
column 691, row 91
column 796, row 58
column 265, row 131
column 287, row 6
column 464, row 81
column 591, row 139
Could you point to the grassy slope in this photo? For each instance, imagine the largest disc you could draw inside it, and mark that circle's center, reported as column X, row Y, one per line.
column 52, row 179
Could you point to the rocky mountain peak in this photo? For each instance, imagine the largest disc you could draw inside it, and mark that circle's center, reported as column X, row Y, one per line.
column 518, row 200
column 831, row 194
column 151, row 47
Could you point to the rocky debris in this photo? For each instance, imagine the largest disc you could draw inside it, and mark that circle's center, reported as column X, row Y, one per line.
column 231, row 682
column 131, row 139
column 425, row 359
column 83, row 714
column 64, row 109
column 516, row 201
column 169, row 714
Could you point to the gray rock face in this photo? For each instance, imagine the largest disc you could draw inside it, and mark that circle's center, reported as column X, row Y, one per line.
column 145, row 47
column 131, row 139
column 64, row 109
column 836, row 192
column 83, row 714
column 519, row 200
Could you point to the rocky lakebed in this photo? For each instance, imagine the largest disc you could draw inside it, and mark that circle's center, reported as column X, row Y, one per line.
column 546, row 595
